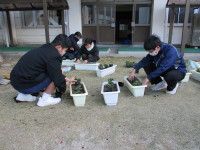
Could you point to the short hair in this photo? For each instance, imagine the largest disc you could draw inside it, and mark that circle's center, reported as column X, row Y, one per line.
column 152, row 42
column 62, row 40
column 78, row 34
column 88, row 41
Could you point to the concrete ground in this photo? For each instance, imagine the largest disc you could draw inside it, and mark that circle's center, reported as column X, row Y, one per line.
column 155, row 121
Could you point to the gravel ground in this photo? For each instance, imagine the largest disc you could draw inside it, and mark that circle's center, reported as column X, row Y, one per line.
column 163, row 122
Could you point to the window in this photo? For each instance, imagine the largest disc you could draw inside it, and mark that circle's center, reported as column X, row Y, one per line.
column 106, row 15
column 143, row 13
column 89, row 14
column 36, row 18
column 179, row 14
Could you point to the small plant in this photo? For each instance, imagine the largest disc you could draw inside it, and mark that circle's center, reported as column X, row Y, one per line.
column 135, row 82
column 110, row 64
column 101, row 67
column 106, row 65
column 70, row 58
column 78, row 89
column 64, row 58
column 78, row 81
column 110, row 84
column 198, row 70
column 130, row 64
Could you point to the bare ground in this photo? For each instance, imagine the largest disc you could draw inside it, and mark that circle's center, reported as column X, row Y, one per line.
column 164, row 122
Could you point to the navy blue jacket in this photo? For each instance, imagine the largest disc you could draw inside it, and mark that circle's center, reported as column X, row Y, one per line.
column 168, row 58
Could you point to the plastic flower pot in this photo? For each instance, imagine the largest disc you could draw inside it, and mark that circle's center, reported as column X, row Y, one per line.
column 137, row 91
column 196, row 75
column 68, row 62
column 110, row 98
column 88, row 66
column 104, row 72
column 79, row 99
column 187, row 76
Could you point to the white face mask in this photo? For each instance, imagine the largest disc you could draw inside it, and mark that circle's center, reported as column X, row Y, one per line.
column 92, row 46
column 63, row 53
column 153, row 53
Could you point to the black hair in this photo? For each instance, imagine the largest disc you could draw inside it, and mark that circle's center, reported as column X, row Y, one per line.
column 78, row 34
column 62, row 40
column 152, row 42
column 88, row 41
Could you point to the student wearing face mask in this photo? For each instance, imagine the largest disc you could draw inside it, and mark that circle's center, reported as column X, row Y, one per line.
column 88, row 51
column 40, row 69
column 163, row 60
column 74, row 48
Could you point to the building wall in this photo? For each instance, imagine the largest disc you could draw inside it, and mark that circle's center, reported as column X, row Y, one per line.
column 75, row 23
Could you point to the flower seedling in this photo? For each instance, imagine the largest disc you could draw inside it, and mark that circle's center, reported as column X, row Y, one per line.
column 129, row 64
column 106, row 65
column 110, row 84
column 78, row 90
column 110, row 64
column 135, row 82
column 70, row 58
column 198, row 70
column 101, row 67
column 78, row 81
column 64, row 58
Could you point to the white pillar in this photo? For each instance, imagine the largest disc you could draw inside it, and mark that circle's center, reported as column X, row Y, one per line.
column 75, row 23
column 158, row 18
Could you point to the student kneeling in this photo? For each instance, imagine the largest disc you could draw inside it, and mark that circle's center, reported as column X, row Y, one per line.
column 40, row 69
column 163, row 60
column 88, row 51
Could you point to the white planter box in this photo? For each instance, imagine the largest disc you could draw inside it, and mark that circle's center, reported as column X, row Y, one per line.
column 196, row 75
column 105, row 72
column 68, row 62
column 89, row 66
column 137, row 91
column 110, row 98
column 79, row 99
column 187, row 76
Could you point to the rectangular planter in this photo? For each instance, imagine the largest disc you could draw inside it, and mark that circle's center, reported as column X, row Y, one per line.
column 105, row 72
column 110, row 98
column 68, row 62
column 79, row 99
column 89, row 66
column 187, row 76
column 137, row 91
column 196, row 75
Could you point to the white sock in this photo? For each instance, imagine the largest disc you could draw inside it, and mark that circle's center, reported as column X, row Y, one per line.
column 45, row 95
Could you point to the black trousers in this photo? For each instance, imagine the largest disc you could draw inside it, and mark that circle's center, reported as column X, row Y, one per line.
column 170, row 76
column 90, row 57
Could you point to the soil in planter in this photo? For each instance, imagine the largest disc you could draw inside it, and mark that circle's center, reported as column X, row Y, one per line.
column 74, row 86
column 107, row 89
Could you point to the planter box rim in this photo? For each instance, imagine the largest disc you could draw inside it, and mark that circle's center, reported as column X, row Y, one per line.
column 106, row 68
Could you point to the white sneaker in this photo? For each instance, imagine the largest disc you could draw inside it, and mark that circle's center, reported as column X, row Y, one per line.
column 48, row 101
column 25, row 97
column 173, row 91
column 161, row 85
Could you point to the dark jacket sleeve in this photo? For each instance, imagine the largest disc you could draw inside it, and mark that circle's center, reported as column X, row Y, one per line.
column 95, row 55
column 55, row 73
column 144, row 62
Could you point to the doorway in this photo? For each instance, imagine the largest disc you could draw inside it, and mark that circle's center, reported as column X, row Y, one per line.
column 124, row 16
